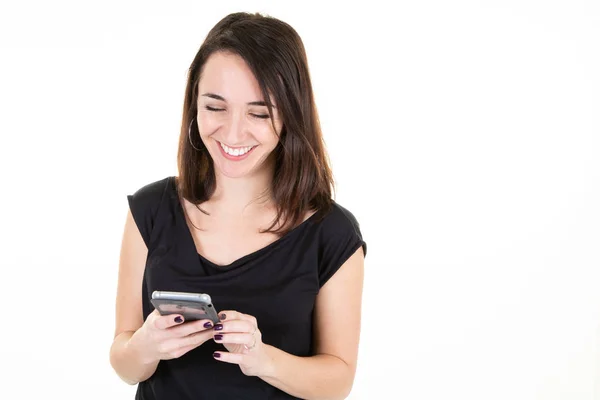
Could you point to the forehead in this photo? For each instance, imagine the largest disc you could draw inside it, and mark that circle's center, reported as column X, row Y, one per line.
column 229, row 75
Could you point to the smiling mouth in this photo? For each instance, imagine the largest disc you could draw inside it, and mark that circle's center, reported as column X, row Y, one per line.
column 236, row 151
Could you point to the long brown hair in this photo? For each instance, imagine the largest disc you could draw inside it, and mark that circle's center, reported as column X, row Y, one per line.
column 274, row 52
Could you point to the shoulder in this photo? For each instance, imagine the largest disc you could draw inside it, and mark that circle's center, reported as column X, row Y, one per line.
column 152, row 189
column 339, row 219
column 339, row 237
column 339, row 226
column 145, row 205
column 150, row 195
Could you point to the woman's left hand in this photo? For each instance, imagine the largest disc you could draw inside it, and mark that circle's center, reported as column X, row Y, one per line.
column 241, row 337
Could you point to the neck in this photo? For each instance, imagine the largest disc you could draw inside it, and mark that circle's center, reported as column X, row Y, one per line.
column 243, row 196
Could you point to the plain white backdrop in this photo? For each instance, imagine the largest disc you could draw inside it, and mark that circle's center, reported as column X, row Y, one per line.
column 464, row 136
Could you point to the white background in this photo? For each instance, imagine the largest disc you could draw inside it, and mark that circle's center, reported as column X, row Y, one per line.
column 464, row 136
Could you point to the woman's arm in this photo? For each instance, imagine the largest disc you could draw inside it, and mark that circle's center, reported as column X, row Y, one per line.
column 330, row 373
column 127, row 362
column 125, row 359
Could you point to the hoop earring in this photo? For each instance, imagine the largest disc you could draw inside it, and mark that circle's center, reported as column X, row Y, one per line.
column 190, row 137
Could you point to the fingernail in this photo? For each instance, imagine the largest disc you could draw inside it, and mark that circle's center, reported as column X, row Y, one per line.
column 178, row 319
column 208, row 324
column 216, row 355
column 218, row 327
column 218, row 337
column 222, row 316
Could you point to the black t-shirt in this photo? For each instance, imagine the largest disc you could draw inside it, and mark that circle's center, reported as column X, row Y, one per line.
column 277, row 284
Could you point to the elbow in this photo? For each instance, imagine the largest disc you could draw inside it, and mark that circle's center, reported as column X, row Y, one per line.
column 341, row 394
column 127, row 381
column 115, row 363
column 346, row 393
column 348, row 381
column 345, row 390
column 345, row 383
column 115, row 366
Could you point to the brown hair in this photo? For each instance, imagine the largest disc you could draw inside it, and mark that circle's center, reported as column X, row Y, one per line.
column 275, row 54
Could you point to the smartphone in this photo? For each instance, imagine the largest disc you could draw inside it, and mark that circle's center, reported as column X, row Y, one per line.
column 192, row 306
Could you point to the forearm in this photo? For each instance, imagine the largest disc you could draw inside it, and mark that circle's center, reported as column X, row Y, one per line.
column 318, row 377
column 127, row 361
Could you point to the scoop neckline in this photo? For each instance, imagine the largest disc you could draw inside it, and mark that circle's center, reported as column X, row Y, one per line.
column 190, row 238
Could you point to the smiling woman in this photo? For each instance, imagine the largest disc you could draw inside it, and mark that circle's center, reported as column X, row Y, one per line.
column 249, row 86
column 234, row 129
column 249, row 221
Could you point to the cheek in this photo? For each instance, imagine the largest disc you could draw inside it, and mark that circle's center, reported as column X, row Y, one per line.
column 267, row 136
column 266, row 133
column 207, row 124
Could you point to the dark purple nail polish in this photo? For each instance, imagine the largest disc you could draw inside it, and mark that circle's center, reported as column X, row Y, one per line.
column 218, row 327
column 222, row 316
column 218, row 337
column 208, row 324
column 178, row 319
column 216, row 355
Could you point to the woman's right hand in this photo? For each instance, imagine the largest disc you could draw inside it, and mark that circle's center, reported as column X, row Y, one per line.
column 164, row 337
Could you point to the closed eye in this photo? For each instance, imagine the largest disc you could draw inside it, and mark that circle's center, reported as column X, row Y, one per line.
column 209, row 108
column 260, row 116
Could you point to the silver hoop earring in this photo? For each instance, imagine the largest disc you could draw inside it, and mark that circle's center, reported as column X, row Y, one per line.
column 190, row 137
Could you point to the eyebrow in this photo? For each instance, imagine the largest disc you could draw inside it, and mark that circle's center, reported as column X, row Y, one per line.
column 252, row 103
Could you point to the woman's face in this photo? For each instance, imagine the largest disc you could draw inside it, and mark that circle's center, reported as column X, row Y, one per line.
column 233, row 119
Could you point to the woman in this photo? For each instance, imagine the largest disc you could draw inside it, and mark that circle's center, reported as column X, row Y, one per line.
column 250, row 221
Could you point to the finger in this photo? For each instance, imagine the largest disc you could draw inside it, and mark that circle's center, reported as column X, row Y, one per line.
column 181, row 351
column 167, row 321
column 153, row 316
column 231, row 315
column 189, row 343
column 195, row 339
column 232, row 358
column 235, row 325
column 191, row 327
column 235, row 338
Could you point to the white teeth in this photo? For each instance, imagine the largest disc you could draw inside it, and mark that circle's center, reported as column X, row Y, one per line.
column 236, row 152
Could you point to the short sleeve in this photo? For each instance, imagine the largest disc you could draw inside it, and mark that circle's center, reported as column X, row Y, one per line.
column 144, row 205
column 340, row 238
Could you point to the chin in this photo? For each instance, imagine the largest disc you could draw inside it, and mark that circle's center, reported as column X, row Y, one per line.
column 234, row 174
column 243, row 168
column 234, row 171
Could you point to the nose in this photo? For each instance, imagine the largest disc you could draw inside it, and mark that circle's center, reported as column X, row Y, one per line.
column 234, row 130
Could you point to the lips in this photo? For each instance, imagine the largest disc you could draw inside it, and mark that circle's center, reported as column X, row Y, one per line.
column 236, row 151
column 234, row 157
